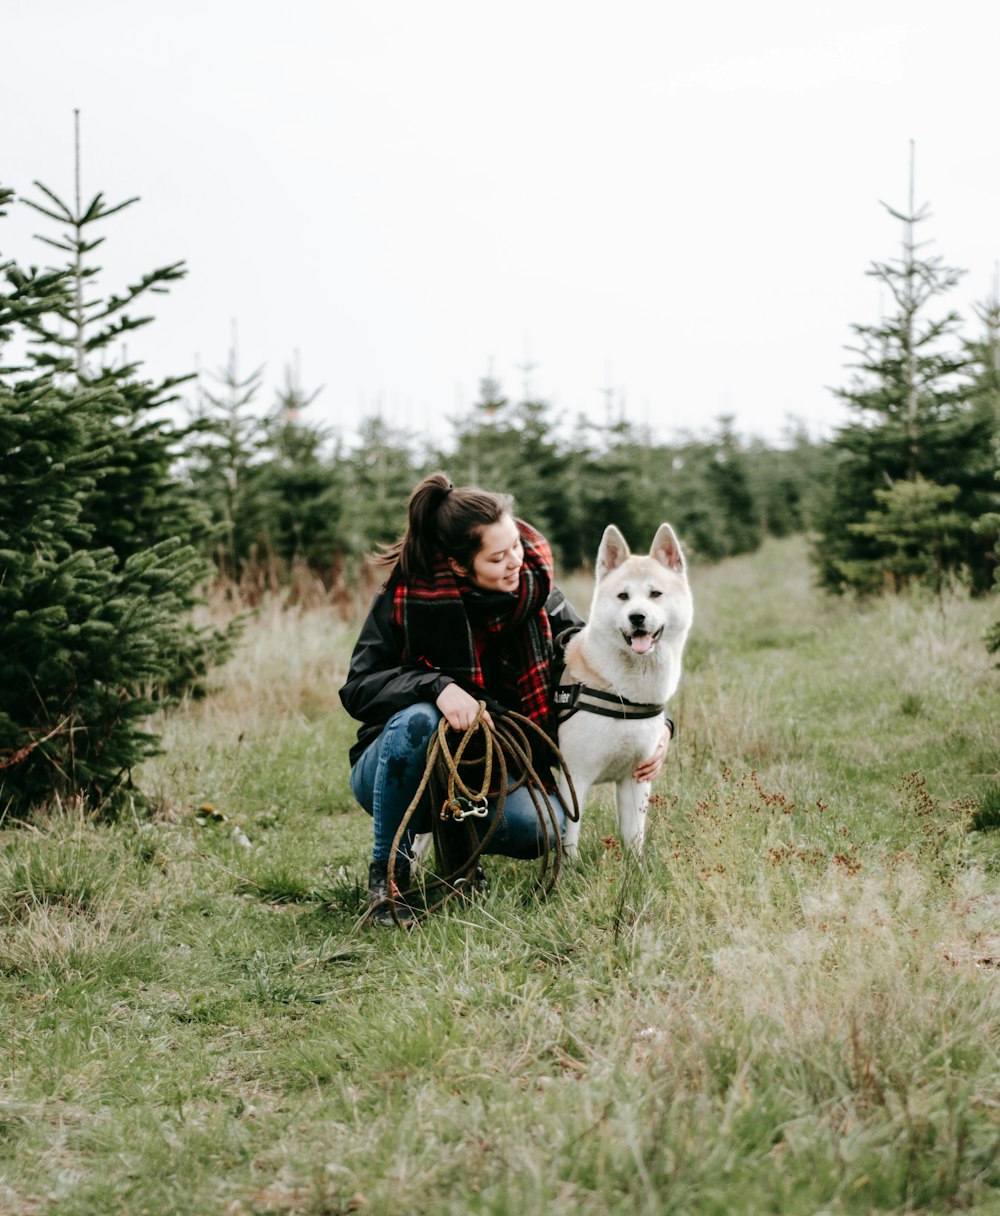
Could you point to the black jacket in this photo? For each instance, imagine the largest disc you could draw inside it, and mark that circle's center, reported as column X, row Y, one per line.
column 379, row 683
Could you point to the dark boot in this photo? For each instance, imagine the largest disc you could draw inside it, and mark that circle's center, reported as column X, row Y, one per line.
column 385, row 906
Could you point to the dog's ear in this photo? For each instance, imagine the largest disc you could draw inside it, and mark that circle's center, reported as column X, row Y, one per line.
column 667, row 549
column 612, row 553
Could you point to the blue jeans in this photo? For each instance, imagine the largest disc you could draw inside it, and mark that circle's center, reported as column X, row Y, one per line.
column 385, row 779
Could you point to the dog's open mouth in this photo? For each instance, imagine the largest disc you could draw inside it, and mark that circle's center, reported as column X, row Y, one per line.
column 641, row 642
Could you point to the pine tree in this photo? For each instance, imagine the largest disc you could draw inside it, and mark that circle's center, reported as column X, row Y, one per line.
column 918, row 530
column 230, row 438
column 985, row 355
column 612, row 477
column 983, row 352
column 913, row 422
column 738, row 527
column 508, row 446
column 138, row 501
column 988, row 525
column 86, row 639
column 539, row 478
column 785, row 480
column 304, row 483
column 484, row 442
column 379, row 473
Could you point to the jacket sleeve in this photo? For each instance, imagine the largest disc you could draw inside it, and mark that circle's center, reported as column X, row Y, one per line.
column 562, row 614
column 378, row 682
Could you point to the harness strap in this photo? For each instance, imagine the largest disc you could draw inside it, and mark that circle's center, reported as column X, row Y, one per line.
column 569, row 698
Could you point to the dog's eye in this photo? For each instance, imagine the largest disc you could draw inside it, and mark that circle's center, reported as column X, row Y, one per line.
column 655, row 595
column 623, row 595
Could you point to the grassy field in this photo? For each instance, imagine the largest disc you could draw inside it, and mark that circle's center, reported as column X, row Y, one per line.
column 791, row 1005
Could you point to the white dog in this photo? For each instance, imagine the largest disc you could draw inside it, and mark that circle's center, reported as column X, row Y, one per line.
column 621, row 670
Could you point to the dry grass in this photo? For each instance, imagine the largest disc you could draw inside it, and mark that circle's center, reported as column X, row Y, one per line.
column 792, row 1004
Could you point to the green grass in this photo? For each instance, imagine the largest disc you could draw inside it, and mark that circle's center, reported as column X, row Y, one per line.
column 790, row 1005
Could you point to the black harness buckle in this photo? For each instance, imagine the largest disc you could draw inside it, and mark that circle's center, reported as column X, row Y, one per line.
column 566, row 696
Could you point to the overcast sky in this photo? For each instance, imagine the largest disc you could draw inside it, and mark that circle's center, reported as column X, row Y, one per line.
column 674, row 201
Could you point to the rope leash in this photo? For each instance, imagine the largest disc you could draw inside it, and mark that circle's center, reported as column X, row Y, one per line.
column 506, row 750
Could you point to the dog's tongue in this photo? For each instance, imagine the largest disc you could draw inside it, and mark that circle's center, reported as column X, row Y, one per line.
column 641, row 642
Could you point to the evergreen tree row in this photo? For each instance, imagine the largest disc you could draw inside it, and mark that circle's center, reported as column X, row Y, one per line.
column 905, row 493
column 283, row 494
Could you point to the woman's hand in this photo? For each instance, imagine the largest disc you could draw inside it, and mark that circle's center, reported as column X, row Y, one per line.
column 646, row 770
column 459, row 708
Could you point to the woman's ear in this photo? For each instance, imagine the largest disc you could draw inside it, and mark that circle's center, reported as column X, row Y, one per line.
column 457, row 569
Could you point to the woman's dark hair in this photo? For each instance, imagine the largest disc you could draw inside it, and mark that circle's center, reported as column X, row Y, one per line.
column 443, row 518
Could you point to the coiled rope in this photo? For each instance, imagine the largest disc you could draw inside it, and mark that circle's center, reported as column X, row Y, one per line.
column 505, row 749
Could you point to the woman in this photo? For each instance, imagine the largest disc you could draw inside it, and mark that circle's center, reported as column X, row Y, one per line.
column 468, row 612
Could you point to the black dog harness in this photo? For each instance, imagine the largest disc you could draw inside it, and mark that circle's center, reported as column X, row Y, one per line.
column 568, row 697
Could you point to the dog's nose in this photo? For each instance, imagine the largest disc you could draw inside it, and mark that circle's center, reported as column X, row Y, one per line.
column 637, row 618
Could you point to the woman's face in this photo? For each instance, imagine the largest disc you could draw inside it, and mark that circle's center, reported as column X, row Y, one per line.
column 497, row 564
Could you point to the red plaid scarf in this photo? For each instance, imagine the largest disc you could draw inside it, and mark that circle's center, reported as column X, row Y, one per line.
column 434, row 617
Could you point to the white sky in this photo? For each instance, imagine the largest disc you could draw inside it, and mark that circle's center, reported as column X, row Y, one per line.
column 678, row 201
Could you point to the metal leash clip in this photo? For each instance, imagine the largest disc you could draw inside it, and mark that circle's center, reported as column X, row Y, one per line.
column 460, row 808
